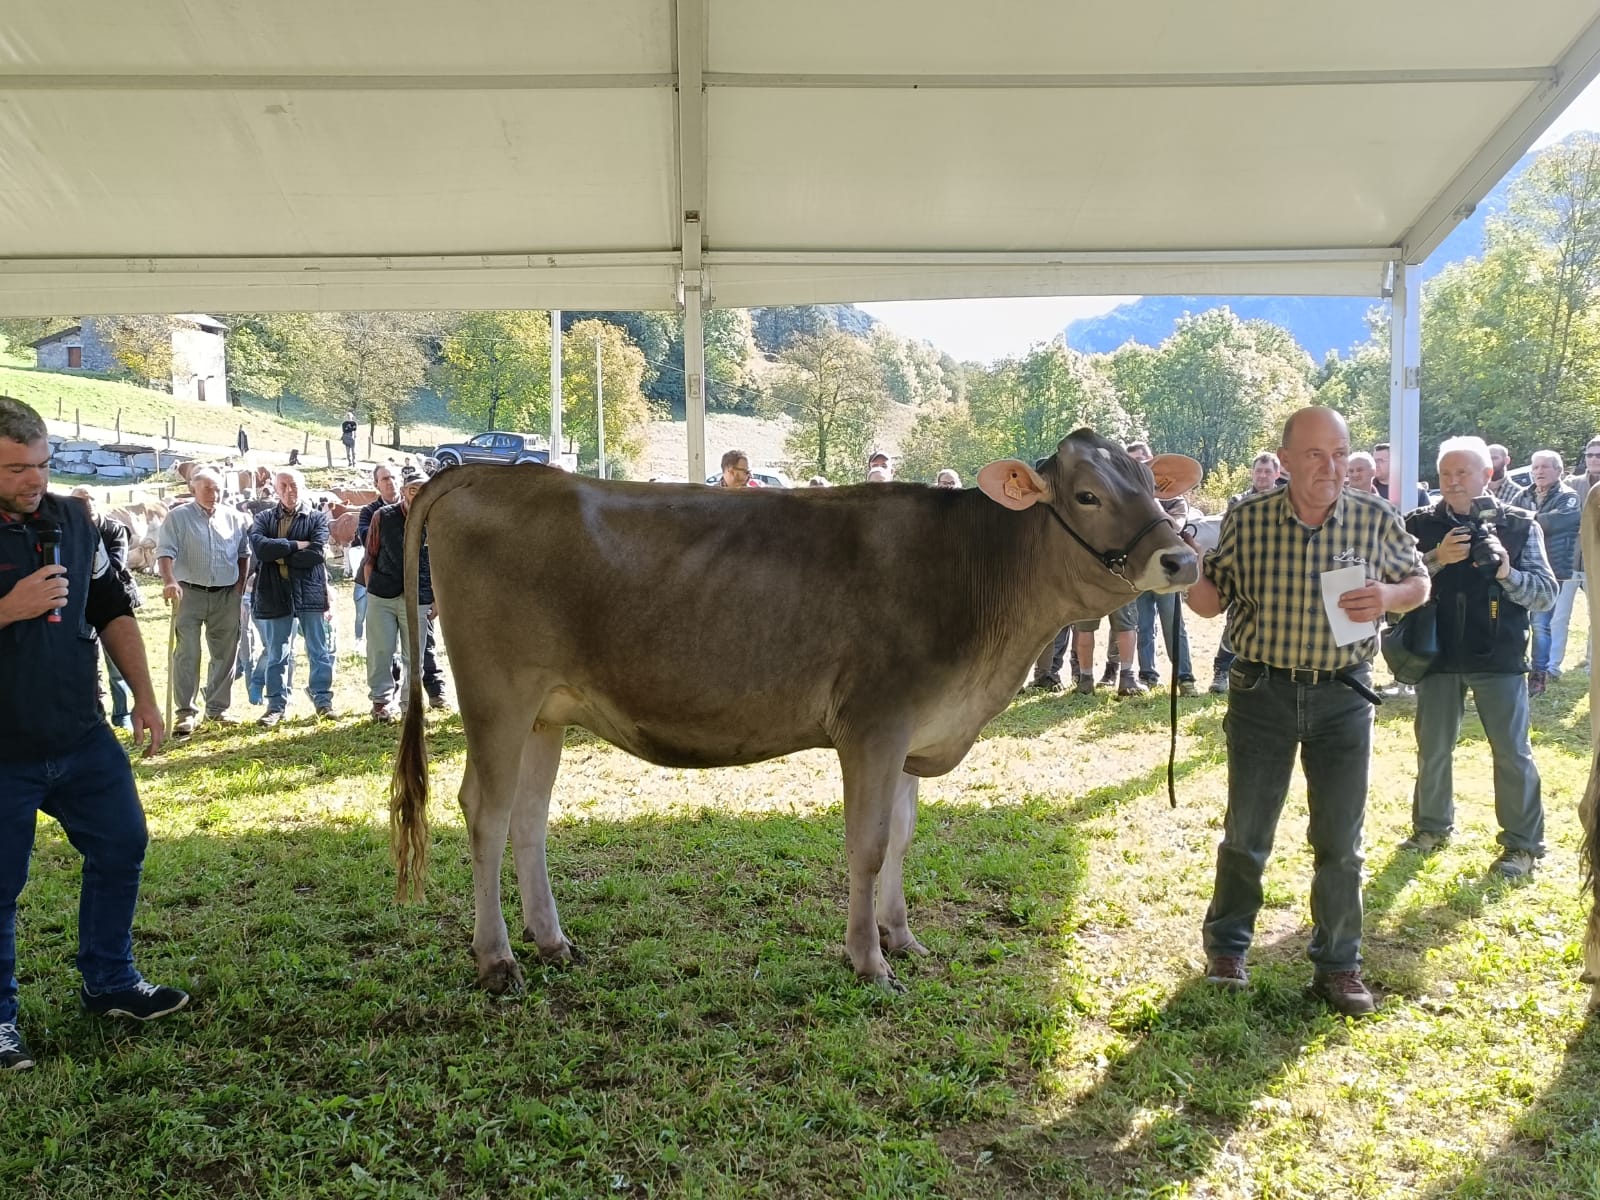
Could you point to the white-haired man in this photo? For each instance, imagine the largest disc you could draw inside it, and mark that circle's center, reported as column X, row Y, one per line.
column 289, row 541
column 1557, row 509
column 1489, row 572
column 202, row 555
column 1362, row 473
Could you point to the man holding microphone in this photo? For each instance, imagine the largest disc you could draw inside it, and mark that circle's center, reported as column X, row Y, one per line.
column 57, row 754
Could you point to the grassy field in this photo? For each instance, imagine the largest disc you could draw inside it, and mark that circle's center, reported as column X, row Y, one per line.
column 96, row 402
column 713, row 1043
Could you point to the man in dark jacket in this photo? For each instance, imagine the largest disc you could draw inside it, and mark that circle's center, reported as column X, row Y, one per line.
column 1559, row 512
column 386, row 599
column 289, row 541
column 387, row 486
column 59, row 601
column 114, row 537
column 347, row 436
column 1489, row 572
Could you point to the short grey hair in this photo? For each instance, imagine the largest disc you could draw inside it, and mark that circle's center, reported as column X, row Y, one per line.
column 19, row 423
column 1361, row 456
column 1472, row 445
column 1267, row 456
column 1548, row 456
column 210, row 473
column 293, row 473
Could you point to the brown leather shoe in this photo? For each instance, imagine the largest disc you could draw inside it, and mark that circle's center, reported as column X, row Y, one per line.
column 1227, row 971
column 1345, row 993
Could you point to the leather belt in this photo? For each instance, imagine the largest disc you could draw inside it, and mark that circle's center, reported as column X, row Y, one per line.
column 1312, row 676
column 200, row 587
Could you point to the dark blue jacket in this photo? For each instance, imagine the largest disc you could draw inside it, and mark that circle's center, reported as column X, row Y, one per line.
column 306, row 588
column 1559, row 515
column 388, row 578
column 49, row 670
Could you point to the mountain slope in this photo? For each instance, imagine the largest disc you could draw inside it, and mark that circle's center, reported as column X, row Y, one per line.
column 1319, row 323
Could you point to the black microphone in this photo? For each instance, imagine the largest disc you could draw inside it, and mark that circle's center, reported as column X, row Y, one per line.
column 50, row 550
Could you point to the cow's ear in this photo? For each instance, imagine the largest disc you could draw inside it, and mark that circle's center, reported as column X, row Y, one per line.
column 1013, row 483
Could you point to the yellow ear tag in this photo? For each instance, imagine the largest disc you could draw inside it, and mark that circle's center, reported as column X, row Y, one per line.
column 1013, row 488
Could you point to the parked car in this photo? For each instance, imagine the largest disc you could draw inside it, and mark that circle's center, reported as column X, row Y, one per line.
column 494, row 447
column 765, row 476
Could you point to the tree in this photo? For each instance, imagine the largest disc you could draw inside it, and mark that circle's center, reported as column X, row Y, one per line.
column 263, row 350
column 142, row 346
column 369, row 363
column 1511, row 340
column 1219, row 388
column 495, row 369
column 829, row 383
column 627, row 410
column 1019, row 408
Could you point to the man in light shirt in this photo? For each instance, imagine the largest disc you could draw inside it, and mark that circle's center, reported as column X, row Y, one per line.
column 202, row 553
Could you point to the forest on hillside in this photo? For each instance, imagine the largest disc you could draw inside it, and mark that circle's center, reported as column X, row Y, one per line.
column 1510, row 351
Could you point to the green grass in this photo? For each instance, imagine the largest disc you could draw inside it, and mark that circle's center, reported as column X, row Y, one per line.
column 97, row 401
column 714, row 1043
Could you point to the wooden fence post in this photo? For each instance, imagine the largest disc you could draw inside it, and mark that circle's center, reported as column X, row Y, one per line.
column 119, row 427
column 328, row 446
column 77, row 418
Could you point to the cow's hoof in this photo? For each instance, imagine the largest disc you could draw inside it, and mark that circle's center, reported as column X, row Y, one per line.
column 561, row 956
column 501, row 976
column 888, row 983
column 909, row 949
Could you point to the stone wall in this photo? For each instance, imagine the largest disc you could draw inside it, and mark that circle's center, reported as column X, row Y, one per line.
column 114, row 463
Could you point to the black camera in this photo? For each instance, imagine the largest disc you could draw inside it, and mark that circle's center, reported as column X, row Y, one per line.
column 1481, row 518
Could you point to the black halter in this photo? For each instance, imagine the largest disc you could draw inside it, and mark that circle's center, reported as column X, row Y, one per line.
column 1112, row 560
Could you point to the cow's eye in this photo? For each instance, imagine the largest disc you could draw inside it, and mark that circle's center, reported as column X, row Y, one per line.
column 1088, row 499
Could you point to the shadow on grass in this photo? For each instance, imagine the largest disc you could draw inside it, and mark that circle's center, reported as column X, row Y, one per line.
column 1167, row 1104
column 1554, row 1147
column 713, row 1042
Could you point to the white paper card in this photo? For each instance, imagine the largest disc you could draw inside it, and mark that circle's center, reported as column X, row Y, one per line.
column 1336, row 583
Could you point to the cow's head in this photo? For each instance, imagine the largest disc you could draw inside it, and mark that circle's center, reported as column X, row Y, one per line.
column 1105, row 501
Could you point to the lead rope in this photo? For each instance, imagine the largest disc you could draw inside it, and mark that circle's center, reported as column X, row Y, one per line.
column 1172, row 725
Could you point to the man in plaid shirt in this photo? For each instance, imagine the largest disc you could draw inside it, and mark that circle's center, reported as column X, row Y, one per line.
column 1293, row 689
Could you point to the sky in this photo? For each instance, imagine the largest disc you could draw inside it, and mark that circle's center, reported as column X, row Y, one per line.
column 984, row 330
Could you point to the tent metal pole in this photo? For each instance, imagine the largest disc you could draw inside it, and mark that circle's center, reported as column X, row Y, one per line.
column 1405, row 374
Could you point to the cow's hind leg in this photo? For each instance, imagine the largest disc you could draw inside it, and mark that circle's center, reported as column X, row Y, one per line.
column 488, row 793
column 1589, row 821
column 871, row 770
column 894, row 933
column 541, row 758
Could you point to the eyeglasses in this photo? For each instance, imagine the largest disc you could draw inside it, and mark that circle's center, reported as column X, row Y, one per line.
column 1591, row 453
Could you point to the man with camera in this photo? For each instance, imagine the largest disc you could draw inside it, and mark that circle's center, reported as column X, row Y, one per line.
column 1489, row 573
column 60, row 601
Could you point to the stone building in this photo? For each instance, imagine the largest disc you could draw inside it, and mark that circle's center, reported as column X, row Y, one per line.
column 199, row 360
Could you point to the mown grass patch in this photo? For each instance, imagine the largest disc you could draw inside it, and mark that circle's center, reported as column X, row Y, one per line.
column 714, row 1043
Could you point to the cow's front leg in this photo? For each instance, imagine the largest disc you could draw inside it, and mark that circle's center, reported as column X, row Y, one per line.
column 871, row 782
column 530, row 821
column 488, row 823
column 894, row 933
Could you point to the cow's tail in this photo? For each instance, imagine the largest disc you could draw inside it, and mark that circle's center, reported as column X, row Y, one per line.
column 408, row 791
column 1589, row 819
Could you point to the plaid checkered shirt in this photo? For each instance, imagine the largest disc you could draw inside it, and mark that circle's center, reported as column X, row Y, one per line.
column 1268, row 567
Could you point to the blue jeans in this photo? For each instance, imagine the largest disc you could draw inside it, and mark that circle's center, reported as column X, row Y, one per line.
column 361, row 611
column 276, row 635
column 1550, row 627
column 121, row 696
column 1169, row 607
column 90, row 791
column 1269, row 720
column 1502, row 702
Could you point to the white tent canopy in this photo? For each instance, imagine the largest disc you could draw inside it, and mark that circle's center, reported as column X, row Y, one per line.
column 316, row 154
column 626, row 154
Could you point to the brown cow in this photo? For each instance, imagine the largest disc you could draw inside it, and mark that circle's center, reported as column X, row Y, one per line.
column 696, row 627
column 1589, row 806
